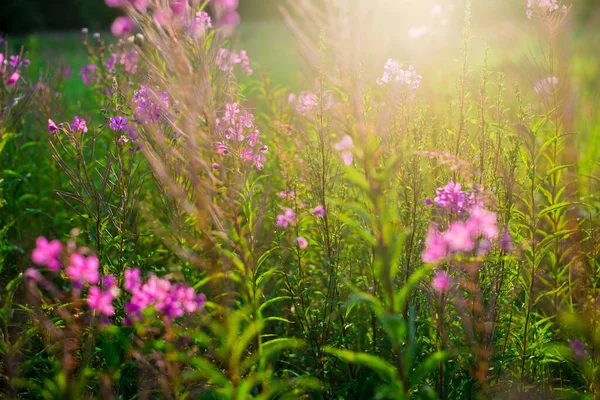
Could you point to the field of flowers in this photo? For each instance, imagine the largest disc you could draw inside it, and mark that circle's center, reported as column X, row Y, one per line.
column 365, row 200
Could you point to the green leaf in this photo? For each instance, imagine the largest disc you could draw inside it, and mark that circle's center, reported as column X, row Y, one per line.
column 375, row 363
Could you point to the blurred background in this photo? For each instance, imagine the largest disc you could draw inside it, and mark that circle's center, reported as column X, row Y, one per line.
column 409, row 30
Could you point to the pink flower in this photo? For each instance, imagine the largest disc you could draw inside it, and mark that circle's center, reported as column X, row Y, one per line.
column 287, row 218
column 228, row 22
column 101, row 302
column 140, row 5
column 302, row 242
column 458, row 237
column 201, row 23
column 132, row 279
column 228, row 4
column 483, row 222
column 113, row 3
column 83, row 270
column 79, row 125
column 319, row 211
column 122, row 26
column 287, row 194
column 178, row 6
column 436, row 248
column 172, row 300
column 14, row 77
column 441, row 282
column 307, row 101
column 46, row 253
column 33, row 274
column 345, row 146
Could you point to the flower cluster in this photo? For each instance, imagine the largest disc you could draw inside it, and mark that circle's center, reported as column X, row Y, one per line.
column 452, row 197
column 88, row 74
column 393, row 72
column 78, row 125
column 305, row 102
column 120, row 124
column 202, row 23
column 287, row 218
column 169, row 299
column 544, row 8
column 80, row 269
column 151, row 105
column 287, row 194
column 10, row 68
column 240, row 136
column 227, row 59
column 128, row 59
column 476, row 232
column 46, row 253
column 102, row 300
column 546, row 86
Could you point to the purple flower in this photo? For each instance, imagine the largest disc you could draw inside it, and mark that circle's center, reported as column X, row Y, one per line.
column 83, row 269
column 46, row 253
column 506, row 242
column 87, row 73
column 52, row 127
column 79, row 125
column 441, row 282
column 578, row 349
column 14, row 61
column 150, row 106
column 118, row 124
column 452, row 197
